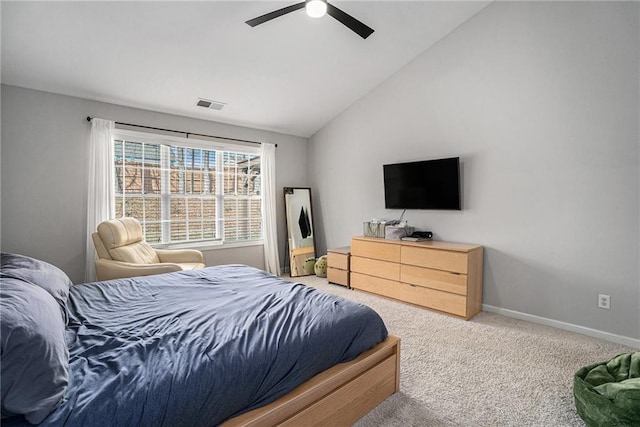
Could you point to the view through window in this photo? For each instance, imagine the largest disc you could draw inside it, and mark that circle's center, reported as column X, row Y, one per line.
column 181, row 194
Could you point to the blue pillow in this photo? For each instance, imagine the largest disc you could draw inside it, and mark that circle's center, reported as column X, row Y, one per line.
column 34, row 355
column 39, row 273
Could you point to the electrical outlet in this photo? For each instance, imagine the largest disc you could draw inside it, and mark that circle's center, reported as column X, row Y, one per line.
column 604, row 301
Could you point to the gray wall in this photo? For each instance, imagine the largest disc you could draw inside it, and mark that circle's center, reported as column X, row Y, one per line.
column 44, row 173
column 541, row 102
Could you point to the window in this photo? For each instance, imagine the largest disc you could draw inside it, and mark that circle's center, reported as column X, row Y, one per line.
column 184, row 194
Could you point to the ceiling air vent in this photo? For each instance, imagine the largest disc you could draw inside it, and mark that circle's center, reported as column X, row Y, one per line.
column 214, row 105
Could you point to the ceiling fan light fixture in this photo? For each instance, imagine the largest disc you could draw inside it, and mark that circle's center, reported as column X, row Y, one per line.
column 316, row 8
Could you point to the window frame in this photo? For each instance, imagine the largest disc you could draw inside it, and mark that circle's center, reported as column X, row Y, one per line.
column 195, row 142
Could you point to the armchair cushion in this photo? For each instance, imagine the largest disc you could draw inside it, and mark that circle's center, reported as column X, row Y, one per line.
column 123, row 240
column 120, row 232
column 137, row 253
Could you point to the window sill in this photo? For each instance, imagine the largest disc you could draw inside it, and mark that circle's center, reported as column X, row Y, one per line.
column 207, row 246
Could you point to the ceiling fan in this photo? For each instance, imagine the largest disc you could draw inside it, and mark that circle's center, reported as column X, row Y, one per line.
column 317, row 9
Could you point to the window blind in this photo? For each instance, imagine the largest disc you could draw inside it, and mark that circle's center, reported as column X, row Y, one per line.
column 184, row 190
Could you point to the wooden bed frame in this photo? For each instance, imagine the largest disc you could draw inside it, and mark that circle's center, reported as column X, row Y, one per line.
column 338, row 396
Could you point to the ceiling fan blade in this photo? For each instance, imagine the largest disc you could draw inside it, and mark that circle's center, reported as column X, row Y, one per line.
column 352, row 23
column 275, row 14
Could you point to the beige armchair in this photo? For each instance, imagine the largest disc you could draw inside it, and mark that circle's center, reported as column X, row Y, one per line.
column 123, row 253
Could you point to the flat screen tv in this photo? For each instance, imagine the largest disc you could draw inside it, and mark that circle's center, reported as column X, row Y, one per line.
column 427, row 184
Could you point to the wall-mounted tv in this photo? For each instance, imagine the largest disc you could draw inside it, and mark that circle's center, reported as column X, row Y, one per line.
column 427, row 184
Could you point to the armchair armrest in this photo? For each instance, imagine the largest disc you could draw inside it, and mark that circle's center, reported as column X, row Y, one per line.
column 107, row 269
column 180, row 255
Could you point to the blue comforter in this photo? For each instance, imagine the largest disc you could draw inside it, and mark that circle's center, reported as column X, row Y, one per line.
column 195, row 348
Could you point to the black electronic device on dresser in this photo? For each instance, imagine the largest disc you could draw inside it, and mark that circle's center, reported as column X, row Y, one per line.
column 422, row 234
column 418, row 236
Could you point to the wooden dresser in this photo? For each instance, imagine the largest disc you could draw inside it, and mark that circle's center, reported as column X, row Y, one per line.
column 439, row 275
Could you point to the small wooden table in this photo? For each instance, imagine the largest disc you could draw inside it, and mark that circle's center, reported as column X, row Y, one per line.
column 338, row 265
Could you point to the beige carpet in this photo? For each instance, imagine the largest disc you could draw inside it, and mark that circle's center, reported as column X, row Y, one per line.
column 489, row 371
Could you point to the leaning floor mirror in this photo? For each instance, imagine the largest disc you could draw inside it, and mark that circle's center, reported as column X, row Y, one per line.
column 300, row 235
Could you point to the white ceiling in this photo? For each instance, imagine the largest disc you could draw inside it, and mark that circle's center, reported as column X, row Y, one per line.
column 290, row 75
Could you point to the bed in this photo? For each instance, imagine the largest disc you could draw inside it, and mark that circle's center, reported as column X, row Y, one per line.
column 228, row 345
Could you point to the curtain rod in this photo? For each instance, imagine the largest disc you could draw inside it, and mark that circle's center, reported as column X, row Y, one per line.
column 186, row 133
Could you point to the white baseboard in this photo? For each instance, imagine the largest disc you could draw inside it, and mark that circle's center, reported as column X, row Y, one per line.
column 619, row 339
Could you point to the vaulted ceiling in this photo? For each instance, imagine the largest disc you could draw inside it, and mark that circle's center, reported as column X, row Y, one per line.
column 290, row 75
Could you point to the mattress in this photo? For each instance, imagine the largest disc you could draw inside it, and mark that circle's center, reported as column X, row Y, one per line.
column 198, row 347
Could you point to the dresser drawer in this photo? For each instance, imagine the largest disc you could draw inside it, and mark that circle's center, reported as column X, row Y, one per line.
column 434, row 279
column 335, row 275
column 435, row 258
column 438, row 300
column 338, row 260
column 376, row 285
column 377, row 268
column 431, row 298
column 376, row 250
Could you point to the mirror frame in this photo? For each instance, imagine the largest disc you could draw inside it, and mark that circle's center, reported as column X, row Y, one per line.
column 293, row 270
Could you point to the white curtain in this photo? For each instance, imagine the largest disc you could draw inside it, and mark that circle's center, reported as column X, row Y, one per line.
column 271, row 258
column 100, row 203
